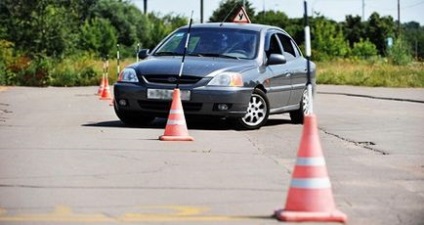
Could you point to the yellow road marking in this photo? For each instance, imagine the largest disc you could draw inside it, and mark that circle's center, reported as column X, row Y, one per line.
column 173, row 214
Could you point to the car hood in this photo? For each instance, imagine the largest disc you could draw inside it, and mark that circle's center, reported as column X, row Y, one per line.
column 193, row 66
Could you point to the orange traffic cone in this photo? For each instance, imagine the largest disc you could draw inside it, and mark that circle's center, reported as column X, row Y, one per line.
column 310, row 197
column 105, row 95
column 176, row 127
column 102, row 86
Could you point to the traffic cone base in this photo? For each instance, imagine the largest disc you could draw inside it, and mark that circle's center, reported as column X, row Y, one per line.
column 176, row 127
column 106, row 94
column 176, row 138
column 295, row 216
column 310, row 198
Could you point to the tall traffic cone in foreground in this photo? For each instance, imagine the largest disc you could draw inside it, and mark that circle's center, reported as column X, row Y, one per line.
column 176, row 127
column 310, row 197
column 105, row 95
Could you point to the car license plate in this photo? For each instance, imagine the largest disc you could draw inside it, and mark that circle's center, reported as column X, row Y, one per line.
column 166, row 94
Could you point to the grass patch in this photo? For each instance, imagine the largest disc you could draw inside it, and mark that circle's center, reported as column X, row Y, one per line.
column 372, row 73
column 83, row 71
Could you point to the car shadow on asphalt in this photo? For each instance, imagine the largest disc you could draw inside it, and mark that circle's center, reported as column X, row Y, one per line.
column 192, row 124
column 160, row 123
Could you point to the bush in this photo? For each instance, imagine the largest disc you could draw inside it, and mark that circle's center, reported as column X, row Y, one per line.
column 399, row 53
column 40, row 69
column 364, row 50
column 6, row 57
column 81, row 70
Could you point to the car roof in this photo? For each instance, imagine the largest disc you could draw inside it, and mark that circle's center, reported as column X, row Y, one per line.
column 246, row 26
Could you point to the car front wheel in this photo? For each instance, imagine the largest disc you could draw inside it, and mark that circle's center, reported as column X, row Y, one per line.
column 298, row 115
column 257, row 111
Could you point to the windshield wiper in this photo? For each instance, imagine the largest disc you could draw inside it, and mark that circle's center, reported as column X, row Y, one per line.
column 167, row 53
column 214, row 55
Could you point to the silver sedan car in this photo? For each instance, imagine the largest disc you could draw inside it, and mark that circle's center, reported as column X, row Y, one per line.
column 241, row 72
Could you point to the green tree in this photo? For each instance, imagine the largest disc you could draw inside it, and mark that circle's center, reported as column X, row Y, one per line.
column 328, row 40
column 354, row 29
column 98, row 36
column 117, row 13
column 38, row 27
column 223, row 12
column 413, row 33
column 378, row 29
column 164, row 26
column 271, row 17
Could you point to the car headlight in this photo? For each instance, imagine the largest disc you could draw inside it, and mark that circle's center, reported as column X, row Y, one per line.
column 228, row 79
column 128, row 75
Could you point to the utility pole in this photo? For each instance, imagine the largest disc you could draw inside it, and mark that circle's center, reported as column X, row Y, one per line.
column 398, row 9
column 145, row 6
column 363, row 10
column 201, row 11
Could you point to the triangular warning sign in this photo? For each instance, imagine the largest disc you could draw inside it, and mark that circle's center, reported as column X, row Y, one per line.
column 241, row 16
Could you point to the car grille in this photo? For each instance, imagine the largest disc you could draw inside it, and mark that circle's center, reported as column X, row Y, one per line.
column 163, row 79
column 165, row 106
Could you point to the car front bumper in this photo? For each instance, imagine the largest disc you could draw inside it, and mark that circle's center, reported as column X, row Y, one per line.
column 204, row 101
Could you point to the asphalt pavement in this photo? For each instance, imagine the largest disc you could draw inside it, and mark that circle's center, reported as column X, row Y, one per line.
column 66, row 159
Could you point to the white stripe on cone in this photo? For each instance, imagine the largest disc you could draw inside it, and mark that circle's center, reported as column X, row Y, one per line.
column 311, row 183
column 175, row 122
column 310, row 161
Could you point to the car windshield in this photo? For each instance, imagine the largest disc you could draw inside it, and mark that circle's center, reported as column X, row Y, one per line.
column 212, row 42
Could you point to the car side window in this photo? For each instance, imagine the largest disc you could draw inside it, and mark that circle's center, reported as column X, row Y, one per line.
column 289, row 51
column 273, row 46
column 296, row 49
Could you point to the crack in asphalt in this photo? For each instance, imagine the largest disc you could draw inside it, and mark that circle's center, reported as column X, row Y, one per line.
column 262, row 152
column 372, row 97
column 4, row 111
column 364, row 144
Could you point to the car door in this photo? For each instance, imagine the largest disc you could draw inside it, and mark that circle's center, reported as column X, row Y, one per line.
column 296, row 66
column 279, row 82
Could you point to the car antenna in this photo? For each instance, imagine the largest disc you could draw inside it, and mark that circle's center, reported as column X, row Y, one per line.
column 185, row 49
column 226, row 17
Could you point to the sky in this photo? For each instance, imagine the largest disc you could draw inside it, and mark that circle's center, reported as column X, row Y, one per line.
column 410, row 10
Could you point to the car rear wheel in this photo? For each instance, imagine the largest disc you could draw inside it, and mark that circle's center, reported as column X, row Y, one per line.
column 132, row 118
column 257, row 111
column 298, row 115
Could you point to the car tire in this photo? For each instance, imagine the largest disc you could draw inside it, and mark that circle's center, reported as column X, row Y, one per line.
column 257, row 112
column 132, row 118
column 298, row 116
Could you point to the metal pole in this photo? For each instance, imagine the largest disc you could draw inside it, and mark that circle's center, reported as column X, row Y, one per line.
column 138, row 50
column 308, row 57
column 117, row 59
column 201, row 11
column 185, row 50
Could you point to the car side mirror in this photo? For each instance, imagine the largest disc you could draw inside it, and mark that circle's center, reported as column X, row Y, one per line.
column 275, row 59
column 143, row 53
